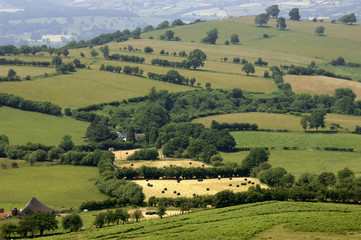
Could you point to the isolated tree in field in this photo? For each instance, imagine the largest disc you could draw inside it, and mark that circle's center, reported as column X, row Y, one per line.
column 281, row 23
column 65, row 52
column 161, row 210
column 94, row 53
column 148, row 49
column 105, row 51
column 248, row 68
column 208, row 85
column 317, row 119
column 100, row 220
column 168, row 35
column 273, row 11
column 196, row 58
column 45, row 221
column 137, row 215
column 305, row 122
column 56, row 61
column 261, row 19
column 211, row 37
column 234, row 38
column 72, row 222
column 295, row 14
column 82, row 54
column 348, row 19
column 320, row 30
column 66, row 143
column 11, row 73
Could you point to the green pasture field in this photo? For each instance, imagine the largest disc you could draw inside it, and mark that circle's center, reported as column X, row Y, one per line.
column 23, row 126
column 251, row 36
column 311, row 161
column 217, row 79
column 21, row 163
column 86, row 87
column 310, row 140
column 23, row 71
column 240, row 222
column 316, row 85
column 279, row 121
column 354, row 73
column 59, row 187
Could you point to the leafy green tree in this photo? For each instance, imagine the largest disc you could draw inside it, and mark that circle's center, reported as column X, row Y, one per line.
column 136, row 33
column 56, row 61
column 105, row 51
column 272, row 177
column 66, row 143
column 137, row 215
column 151, row 115
column 7, row 229
column 177, row 22
column 196, row 59
column 295, row 14
column 99, row 131
column 161, row 210
column 345, row 174
column 305, row 122
column 327, row 178
column 248, row 68
column 255, row 158
column 11, row 73
column 109, row 217
column 320, row 30
column 72, row 222
column 261, row 19
column 94, row 53
column 163, row 25
column 26, row 225
column 124, row 215
column 148, row 49
column 211, row 37
column 234, row 38
column 273, row 11
column 45, row 221
column 317, row 119
column 281, row 23
column 208, row 85
column 148, row 28
column 195, row 148
column 99, row 220
column 344, row 92
column 65, row 52
column 224, row 198
column 168, row 35
column 348, row 19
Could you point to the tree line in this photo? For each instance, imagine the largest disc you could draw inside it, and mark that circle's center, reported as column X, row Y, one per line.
column 4, row 61
column 14, row 101
column 127, row 58
column 172, row 76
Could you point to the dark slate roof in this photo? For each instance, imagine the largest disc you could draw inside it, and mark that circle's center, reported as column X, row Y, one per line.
column 34, row 206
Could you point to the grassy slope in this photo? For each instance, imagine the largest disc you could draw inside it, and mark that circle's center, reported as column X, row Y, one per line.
column 22, row 127
column 301, row 161
column 23, row 71
column 278, row 121
column 300, row 140
column 55, row 186
column 239, row 222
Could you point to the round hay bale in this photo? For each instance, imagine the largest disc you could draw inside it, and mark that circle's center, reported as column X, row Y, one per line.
column 178, row 194
column 162, row 191
column 132, row 164
column 165, row 189
column 174, row 191
column 207, row 189
column 230, row 185
column 237, row 185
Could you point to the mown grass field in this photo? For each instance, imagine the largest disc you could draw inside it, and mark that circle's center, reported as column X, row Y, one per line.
column 279, row 121
column 302, row 161
column 240, row 222
column 23, row 71
column 59, row 187
column 23, row 126
column 86, row 87
column 187, row 188
column 321, row 85
column 300, row 140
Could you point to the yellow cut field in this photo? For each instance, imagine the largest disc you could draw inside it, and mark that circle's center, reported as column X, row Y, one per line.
column 321, row 85
column 161, row 163
column 187, row 188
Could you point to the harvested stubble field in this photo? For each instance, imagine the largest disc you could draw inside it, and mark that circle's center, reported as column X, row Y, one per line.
column 161, row 163
column 187, row 188
column 321, row 85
